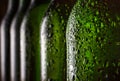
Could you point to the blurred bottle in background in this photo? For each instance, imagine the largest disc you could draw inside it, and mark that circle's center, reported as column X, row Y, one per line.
column 3, row 9
column 15, row 40
column 5, row 39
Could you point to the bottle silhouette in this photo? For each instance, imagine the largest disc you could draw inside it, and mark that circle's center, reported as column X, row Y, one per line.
column 93, row 42
column 53, row 44
column 30, row 41
column 5, row 40
column 3, row 8
column 15, row 40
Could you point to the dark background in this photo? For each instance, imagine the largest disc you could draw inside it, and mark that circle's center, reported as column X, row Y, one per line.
column 3, row 8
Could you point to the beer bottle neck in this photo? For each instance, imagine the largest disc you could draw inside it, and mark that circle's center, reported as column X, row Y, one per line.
column 12, row 4
column 23, row 4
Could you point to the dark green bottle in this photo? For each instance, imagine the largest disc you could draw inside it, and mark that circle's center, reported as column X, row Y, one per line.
column 53, row 44
column 93, row 41
column 15, row 40
column 5, row 40
column 30, row 41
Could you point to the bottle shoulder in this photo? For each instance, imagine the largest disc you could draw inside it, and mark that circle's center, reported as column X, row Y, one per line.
column 34, row 15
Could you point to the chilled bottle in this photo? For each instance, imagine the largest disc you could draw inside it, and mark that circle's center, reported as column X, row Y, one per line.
column 15, row 40
column 93, row 41
column 53, row 44
column 30, row 41
column 5, row 40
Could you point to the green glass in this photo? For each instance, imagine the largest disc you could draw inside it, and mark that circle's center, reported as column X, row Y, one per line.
column 30, row 40
column 93, row 41
column 53, row 43
column 15, row 40
column 5, row 39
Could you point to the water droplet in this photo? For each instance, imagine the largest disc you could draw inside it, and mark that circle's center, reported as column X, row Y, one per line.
column 98, row 30
column 106, row 14
column 49, row 35
column 95, row 19
column 87, row 25
column 118, row 18
column 51, row 25
column 97, row 12
column 61, row 17
column 109, row 19
column 102, row 25
column 92, row 3
column 62, row 21
column 106, row 76
column 59, row 10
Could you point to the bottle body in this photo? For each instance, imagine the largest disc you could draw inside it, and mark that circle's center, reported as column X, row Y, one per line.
column 93, row 41
column 30, row 41
column 53, row 44
column 5, row 40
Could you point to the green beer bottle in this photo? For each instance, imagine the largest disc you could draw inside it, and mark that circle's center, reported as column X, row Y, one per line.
column 53, row 44
column 30, row 41
column 15, row 40
column 5, row 39
column 93, row 41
